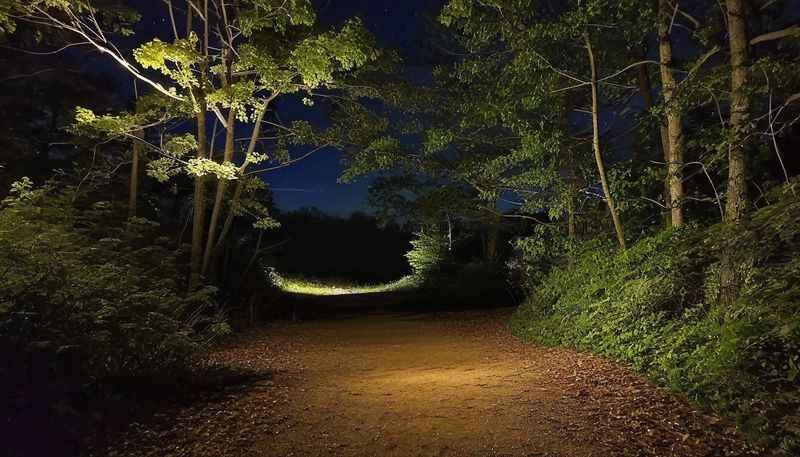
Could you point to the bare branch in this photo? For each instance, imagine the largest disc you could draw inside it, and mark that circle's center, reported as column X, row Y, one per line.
column 691, row 18
column 27, row 75
column 46, row 53
column 772, row 130
column 97, row 40
column 290, row 162
column 776, row 35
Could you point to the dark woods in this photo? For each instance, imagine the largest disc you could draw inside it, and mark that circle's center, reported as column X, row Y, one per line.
column 356, row 248
column 626, row 172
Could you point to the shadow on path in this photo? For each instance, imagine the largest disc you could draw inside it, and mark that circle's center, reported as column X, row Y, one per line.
column 380, row 375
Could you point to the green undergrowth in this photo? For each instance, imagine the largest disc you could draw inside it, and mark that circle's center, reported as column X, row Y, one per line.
column 655, row 307
column 90, row 299
column 446, row 280
column 310, row 286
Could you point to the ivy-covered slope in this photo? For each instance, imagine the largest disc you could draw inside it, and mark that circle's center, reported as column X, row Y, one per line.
column 655, row 306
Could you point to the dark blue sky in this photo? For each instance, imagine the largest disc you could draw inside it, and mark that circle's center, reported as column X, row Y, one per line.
column 397, row 25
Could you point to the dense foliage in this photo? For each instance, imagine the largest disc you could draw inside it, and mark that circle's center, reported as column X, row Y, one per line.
column 651, row 121
column 546, row 128
column 452, row 274
column 428, row 254
column 655, row 306
column 89, row 300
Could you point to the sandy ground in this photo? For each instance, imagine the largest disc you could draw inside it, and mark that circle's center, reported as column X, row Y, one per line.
column 447, row 384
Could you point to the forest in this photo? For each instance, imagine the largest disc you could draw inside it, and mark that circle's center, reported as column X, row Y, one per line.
column 573, row 227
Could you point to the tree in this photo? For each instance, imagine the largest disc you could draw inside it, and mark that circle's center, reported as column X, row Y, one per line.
column 743, row 122
column 674, row 143
column 236, row 59
column 598, row 155
column 536, row 32
column 736, row 203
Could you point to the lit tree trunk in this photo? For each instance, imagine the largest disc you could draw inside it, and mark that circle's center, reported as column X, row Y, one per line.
column 740, row 111
column 133, row 193
column 199, row 213
column 646, row 91
column 237, row 193
column 598, row 155
column 674, row 119
column 221, row 187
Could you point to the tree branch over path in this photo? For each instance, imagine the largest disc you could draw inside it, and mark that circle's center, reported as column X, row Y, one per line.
column 95, row 38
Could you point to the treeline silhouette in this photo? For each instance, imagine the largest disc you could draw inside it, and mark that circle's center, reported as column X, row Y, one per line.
column 355, row 247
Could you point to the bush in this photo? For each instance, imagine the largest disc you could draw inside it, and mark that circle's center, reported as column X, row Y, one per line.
column 449, row 281
column 475, row 283
column 428, row 255
column 655, row 307
column 85, row 300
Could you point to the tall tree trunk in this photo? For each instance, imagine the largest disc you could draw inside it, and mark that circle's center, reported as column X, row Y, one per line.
column 571, row 207
column 199, row 213
column 646, row 91
column 189, row 15
column 598, row 155
column 237, row 193
column 674, row 117
column 221, row 187
column 133, row 188
column 736, row 203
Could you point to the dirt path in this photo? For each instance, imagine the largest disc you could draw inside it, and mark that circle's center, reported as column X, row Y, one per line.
column 452, row 384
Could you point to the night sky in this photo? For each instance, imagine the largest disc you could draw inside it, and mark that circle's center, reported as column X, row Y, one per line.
column 397, row 25
column 400, row 25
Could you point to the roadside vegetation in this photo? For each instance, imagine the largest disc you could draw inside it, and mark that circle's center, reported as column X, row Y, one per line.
column 134, row 212
column 90, row 300
column 656, row 307
column 626, row 172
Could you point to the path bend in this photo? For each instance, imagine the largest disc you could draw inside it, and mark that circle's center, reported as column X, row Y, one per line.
column 447, row 384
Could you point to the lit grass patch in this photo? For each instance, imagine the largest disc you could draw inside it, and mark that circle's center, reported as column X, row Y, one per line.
column 306, row 286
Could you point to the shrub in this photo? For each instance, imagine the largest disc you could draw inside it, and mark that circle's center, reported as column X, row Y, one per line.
column 448, row 280
column 655, row 307
column 428, row 255
column 83, row 299
column 476, row 283
column 534, row 255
